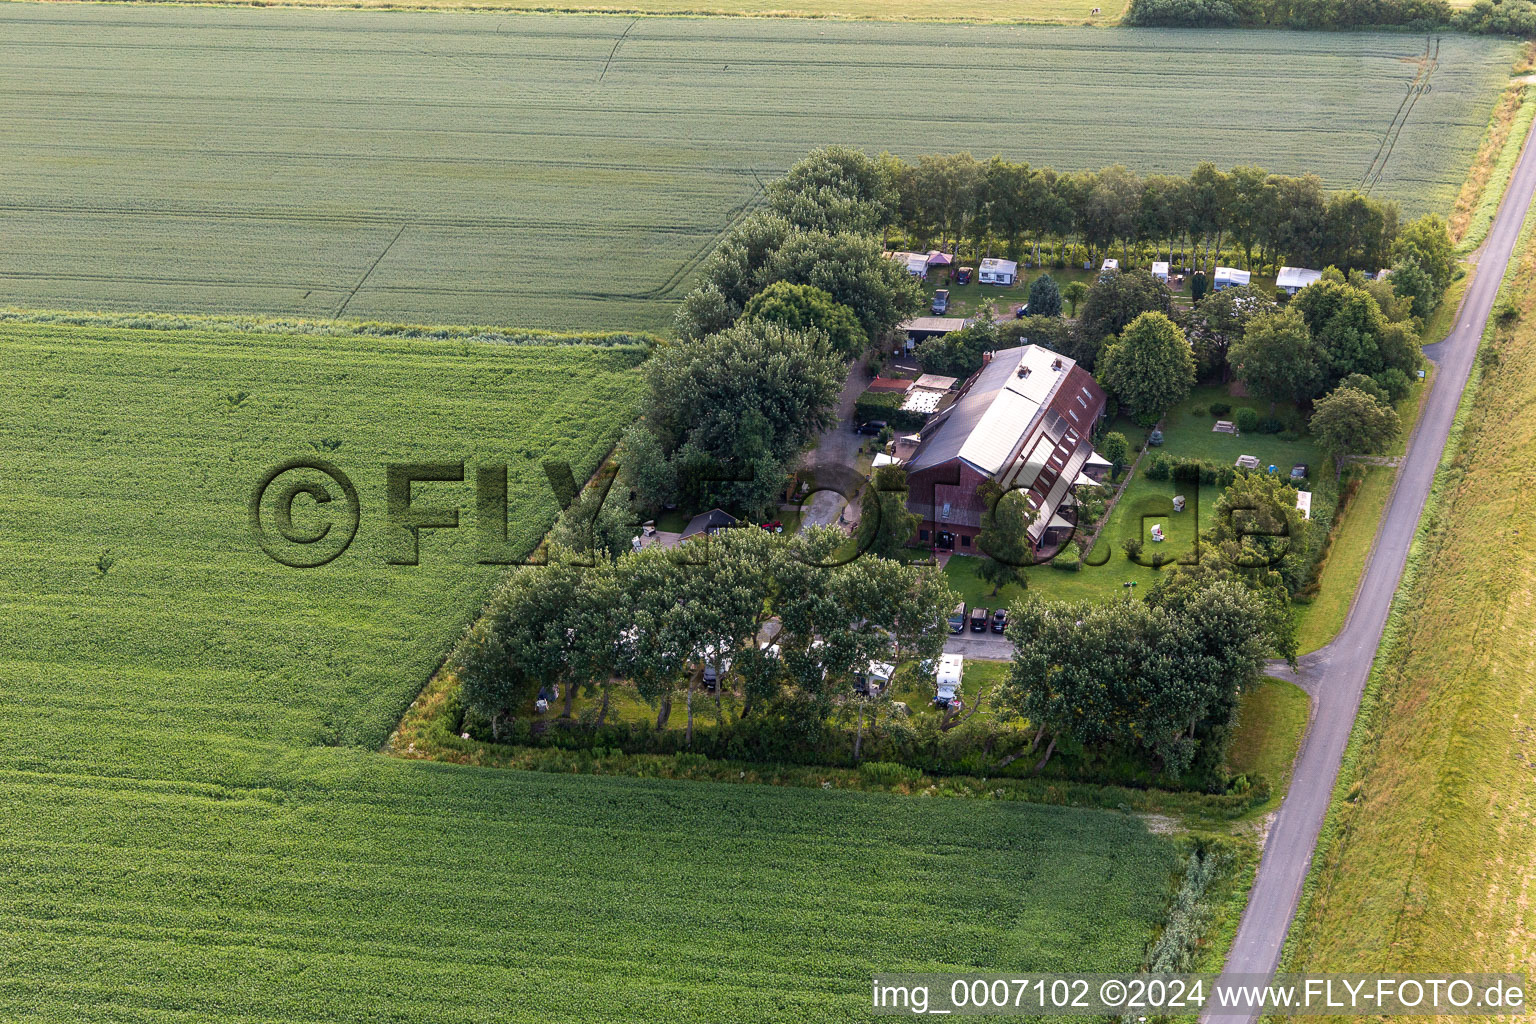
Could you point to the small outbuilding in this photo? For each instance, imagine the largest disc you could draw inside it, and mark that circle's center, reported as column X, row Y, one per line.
column 922, row 328
column 1293, row 279
column 1227, row 277
column 1160, row 271
column 1004, row 272
column 708, row 522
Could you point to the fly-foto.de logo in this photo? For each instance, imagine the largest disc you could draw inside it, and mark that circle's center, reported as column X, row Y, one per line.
column 306, row 512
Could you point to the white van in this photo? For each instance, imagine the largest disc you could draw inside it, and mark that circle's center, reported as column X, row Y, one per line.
column 951, row 668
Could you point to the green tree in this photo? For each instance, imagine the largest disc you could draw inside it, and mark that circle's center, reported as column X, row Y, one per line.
column 885, row 524
column 1149, row 367
column 1257, row 527
column 644, row 467
column 854, row 271
column 1219, row 320
column 1004, row 537
column 1346, row 326
column 834, row 189
column 1428, row 243
column 1197, row 286
column 1411, row 281
column 1074, row 293
column 802, row 306
column 1114, row 447
column 703, row 311
column 1275, row 358
column 1044, row 297
column 741, row 403
column 598, row 523
column 737, row 268
column 1350, row 422
column 1112, row 303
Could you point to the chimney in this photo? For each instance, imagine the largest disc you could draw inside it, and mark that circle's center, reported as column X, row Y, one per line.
column 1056, row 364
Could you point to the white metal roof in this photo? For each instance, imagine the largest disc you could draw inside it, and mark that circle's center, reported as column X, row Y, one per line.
column 1296, row 277
column 882, row 459
column 1233, row 275
column 933, row 323
column 1160, row 268
column 991, row 418
column 990, row 265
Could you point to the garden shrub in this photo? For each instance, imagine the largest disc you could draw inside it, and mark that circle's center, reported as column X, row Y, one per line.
column 1068, row 560
column 1247, row 420
column 1270, row 426
column 1220, row 408
column 1132, row 547
column 888, row 773
column 1159, row 467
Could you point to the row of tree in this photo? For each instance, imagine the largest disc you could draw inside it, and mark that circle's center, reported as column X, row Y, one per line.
column 999, row 207
column 1487, row 17
column 658, row 617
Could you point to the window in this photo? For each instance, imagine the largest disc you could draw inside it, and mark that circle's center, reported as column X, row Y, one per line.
column 922, row 534
column 965, row 541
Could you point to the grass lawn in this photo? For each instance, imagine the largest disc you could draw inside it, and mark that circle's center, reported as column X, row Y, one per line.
column 1427, row 856
column 1270, row 724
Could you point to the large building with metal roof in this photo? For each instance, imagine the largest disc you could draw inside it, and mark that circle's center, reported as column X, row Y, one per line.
column 1022, row 421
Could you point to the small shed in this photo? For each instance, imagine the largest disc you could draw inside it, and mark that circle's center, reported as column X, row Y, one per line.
column 1004, row 272
column 1160, row 271
column 1293, row 279
column 1227, row 277
column 922, row 328
column 1304, row 504
column 708, row 522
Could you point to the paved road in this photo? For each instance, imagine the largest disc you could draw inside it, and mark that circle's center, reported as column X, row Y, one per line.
column 1335, row 676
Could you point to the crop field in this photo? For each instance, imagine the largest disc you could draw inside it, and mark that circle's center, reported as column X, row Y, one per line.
column 569, row 172
column 1031, row 12
column 198, row 825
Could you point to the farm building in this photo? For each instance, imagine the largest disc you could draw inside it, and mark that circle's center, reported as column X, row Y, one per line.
column 1293, row 279
column 1023, row 421
column 1160, row 271
column 1227, row 277
column 998, row 271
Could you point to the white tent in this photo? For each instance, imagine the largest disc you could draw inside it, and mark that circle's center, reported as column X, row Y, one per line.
column 1227, row 277
column 1293, row 279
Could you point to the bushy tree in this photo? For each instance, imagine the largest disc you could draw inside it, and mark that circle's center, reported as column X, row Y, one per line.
column 854, row 271
column 1275, row 358
column 1044, row 297
column 742, row 403
column 1114, row 447
column 1349, row 421
column 1112, row 303
column 1149, row 367
column 1411, row 281
column 703, row 311
column 1346, row 326
column 1075, row 293
column 1219, row 321
column 737, row 268
column 958, row 353
column 834, row 189
column 885, row 524
column 1428, row 243
column 1257, row 527
column 802, row 306
column 1004, row 537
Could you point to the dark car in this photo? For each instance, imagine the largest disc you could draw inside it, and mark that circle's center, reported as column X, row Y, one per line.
column 999, row 620
column 978, row 620
column 1021, row 312
column 872, row 427
column 963, row 275
column 957, row 619
column 941, row 300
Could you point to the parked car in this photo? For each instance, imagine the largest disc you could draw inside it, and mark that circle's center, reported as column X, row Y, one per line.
column 999, row 620
column 957, row 619
column 963, row 275
column 872, row 427
column 978, row 620
column 941, row 300
column 1299, row 471
column 1021, row 312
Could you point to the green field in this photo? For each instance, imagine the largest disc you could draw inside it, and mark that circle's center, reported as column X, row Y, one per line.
column 1077, row 12
column 198, row 824
column 569, row 172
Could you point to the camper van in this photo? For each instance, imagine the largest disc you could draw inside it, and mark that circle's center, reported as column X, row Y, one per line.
column 874, row 679
column 947, row 685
